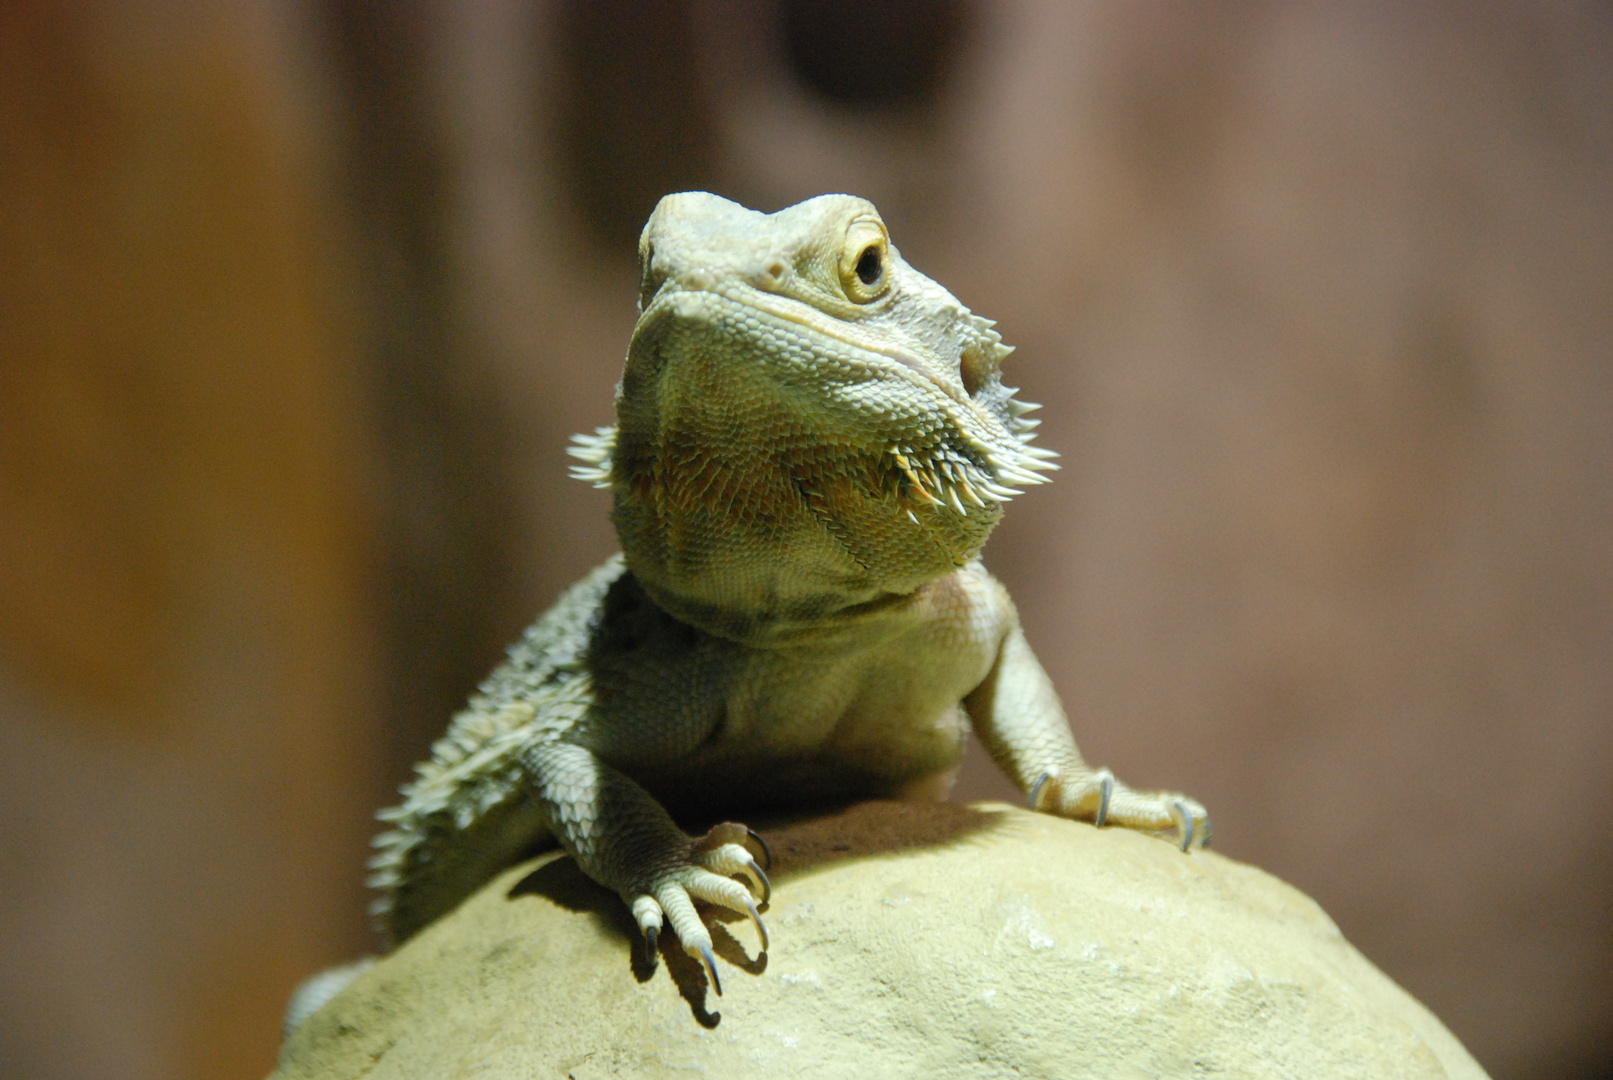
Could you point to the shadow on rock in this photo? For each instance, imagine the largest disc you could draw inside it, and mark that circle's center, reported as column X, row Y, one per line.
column 862, row 830
column 798, row 845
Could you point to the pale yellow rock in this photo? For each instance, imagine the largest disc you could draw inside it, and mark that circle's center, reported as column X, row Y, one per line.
column 909, row 940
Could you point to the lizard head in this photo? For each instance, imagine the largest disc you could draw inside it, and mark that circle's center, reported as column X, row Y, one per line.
column 805, row 423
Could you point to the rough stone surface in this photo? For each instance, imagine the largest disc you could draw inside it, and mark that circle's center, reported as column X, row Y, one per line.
column 908, row 940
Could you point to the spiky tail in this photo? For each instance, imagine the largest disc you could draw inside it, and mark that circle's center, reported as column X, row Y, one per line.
column 467, row 815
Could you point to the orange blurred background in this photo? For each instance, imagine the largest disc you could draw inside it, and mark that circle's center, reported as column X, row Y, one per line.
column 299, row 303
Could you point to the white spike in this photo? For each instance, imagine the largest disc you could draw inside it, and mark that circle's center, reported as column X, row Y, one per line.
column 596, row 447
column 1019, row 470
column 912, row 518
column 599, row 478
column 957, row 503
column 596, row 451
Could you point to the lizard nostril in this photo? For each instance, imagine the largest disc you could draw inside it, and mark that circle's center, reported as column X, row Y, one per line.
column 772, row 274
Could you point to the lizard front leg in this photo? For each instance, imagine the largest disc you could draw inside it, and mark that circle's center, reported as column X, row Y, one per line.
column 625, row 840
column 1017, row 715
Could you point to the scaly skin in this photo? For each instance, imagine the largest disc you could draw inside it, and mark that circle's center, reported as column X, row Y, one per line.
column 813, row 443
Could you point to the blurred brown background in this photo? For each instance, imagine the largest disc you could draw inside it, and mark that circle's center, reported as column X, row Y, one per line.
column 299, row 302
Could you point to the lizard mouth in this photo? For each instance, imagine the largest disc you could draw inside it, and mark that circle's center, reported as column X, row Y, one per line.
column 686, row 301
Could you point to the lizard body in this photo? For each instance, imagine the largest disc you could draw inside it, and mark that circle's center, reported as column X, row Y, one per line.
column 813, row 443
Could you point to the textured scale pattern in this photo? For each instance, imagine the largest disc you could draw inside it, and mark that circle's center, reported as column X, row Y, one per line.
column 813, row 443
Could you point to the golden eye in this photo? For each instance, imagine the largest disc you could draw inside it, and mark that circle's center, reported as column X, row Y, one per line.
column 865, row 260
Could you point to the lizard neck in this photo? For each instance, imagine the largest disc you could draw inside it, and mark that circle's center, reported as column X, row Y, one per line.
column 781, row 626
column 744, row 550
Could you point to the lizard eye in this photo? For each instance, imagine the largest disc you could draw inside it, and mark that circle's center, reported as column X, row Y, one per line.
column 870, row 266
column 864, row 260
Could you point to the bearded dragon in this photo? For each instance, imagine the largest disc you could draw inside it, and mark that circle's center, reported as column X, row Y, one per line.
column 813, row 442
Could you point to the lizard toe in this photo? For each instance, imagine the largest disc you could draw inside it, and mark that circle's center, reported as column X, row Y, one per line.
column 1192, row 822
column 674, row 899
column 731, row 859
column 1085, row 798
column 728, row 893
column 1096, row 796
column 648, row 915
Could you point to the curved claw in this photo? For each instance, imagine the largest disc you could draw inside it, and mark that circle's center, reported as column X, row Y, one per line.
column 710, row 964
column 767, row 854
column 648, row 914
column 1035, row 798
column 1107, row 793
column 1186, row 823
column 759, row 879
column 755, row 917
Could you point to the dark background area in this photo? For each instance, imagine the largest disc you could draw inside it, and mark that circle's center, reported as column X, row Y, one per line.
column 299, row 303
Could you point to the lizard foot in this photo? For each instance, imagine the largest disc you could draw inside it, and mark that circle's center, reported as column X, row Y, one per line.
column 1101, row 799
column 706, row 874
